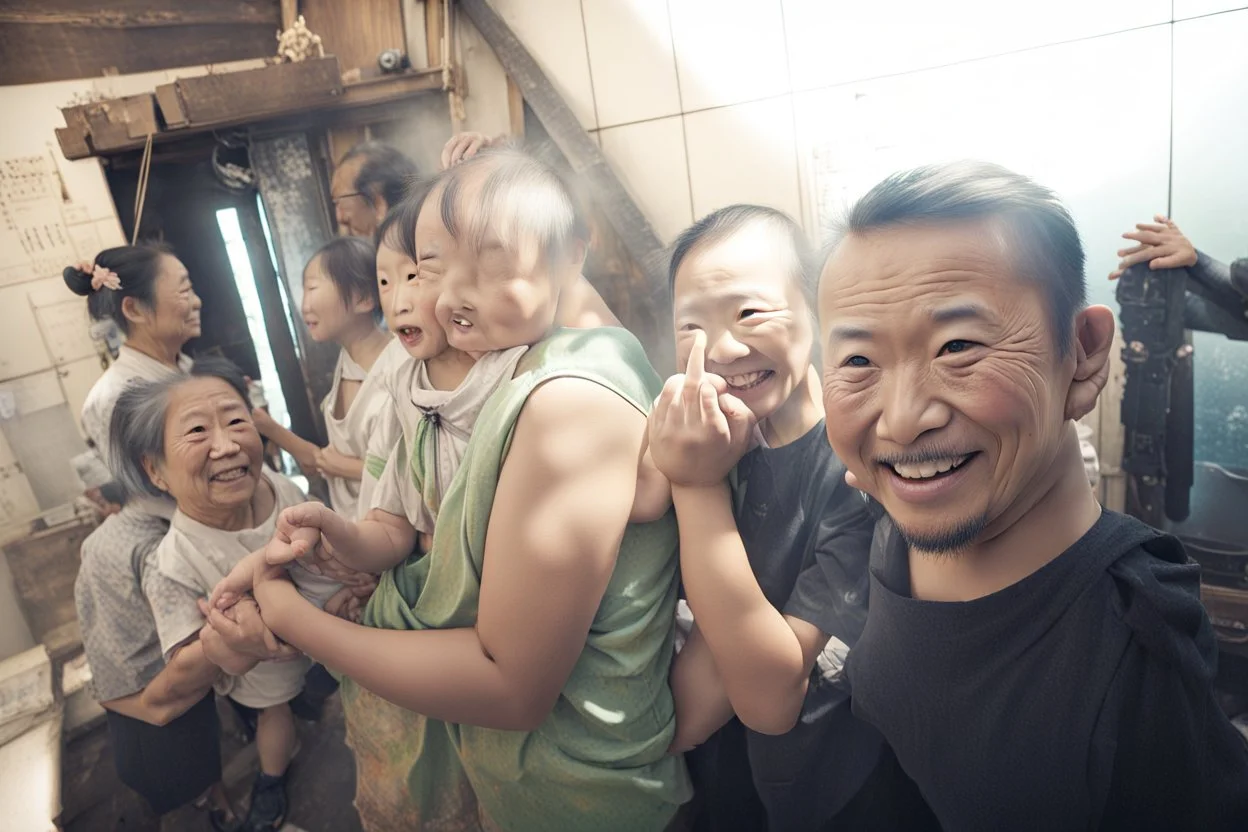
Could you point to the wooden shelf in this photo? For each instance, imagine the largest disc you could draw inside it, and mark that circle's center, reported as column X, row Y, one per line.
column 266, row 100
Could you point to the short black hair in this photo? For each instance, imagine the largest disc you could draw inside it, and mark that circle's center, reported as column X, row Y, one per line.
column 137, row 269
column 725, row 222
column 1040, row 233
column 351, row 263
column 386, row 172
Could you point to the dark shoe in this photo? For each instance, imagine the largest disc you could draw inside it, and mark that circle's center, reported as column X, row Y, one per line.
column 267, row 812
column 221, row 822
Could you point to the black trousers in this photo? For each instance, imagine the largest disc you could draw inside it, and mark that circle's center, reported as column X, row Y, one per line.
column 168, row 765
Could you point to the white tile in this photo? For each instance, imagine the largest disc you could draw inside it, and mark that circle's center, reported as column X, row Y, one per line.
column 554, row 34
column 744, row 153
column 1055, row 114
column 728, row 51
column 1192, row 8
column 1210, row 180
column 631, row 60
column 833, row 42
column 649, row 157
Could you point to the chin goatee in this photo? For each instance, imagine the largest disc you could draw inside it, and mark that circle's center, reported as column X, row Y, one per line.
column 947, row 542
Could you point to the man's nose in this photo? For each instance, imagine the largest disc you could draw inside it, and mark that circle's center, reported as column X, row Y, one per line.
column 911, row 407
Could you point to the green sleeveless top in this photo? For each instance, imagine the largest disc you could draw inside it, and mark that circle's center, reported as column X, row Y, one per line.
column 599, row 760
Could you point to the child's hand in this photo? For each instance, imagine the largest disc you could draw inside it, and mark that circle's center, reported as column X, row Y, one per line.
column 697, row 430
column 286, row 548
column 237, row 583
column 333, row 463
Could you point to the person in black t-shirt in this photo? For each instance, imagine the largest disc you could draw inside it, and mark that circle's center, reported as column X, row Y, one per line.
column 1035, row 662
column 743, row 300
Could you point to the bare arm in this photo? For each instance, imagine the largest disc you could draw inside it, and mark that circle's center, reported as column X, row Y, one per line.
column 301, row 449
column 702, row 704
column 185, row 680
column 764, row 658
column 557, row 543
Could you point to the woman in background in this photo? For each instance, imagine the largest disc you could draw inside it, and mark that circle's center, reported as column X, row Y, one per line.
column 147, row 292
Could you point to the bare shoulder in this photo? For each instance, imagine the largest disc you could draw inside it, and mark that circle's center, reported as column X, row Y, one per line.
column 569, row 420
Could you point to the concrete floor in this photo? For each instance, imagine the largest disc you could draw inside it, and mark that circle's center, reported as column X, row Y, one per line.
column 320, row 783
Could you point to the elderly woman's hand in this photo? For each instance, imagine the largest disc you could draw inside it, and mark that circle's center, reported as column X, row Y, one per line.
column 243, row 633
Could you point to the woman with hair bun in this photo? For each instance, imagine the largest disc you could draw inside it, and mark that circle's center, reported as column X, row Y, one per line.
column 147, row 292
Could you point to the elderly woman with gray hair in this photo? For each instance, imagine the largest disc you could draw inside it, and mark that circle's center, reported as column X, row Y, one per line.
column 193, row 438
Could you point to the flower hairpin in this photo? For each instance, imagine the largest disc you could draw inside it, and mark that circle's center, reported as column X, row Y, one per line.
column 102, row 277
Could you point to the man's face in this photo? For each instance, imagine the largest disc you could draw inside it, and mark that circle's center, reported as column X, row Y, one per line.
column 356, row 215
column 944, row 390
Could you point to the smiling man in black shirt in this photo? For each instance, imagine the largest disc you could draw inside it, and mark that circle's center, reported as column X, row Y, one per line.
column 1033, row 661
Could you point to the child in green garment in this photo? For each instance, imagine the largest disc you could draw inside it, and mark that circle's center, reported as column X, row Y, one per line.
column 558, row 712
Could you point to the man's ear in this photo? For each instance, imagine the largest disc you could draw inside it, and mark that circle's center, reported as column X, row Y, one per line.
column 1094, row 339
column 153, row 473
column 380, row 206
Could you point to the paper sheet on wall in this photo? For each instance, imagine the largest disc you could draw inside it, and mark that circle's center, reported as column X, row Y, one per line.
column 34, row 241
column 66, row 330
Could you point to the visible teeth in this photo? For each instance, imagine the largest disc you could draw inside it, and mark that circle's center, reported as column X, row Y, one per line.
column 232, row 474
column 460, row 322
column 926, row 470
column 745, row 379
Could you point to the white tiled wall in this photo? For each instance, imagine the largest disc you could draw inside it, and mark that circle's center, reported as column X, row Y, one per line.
column 744, row 153
column 754, row 88
column 650, row 158
column 631, row 59
column 1192, row 8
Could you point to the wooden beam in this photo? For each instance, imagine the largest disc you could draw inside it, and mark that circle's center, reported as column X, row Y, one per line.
column 39, row 52
column 368, row 101
column 587, row 160
column 434, row 24
column 134, row 14
column 253, row 92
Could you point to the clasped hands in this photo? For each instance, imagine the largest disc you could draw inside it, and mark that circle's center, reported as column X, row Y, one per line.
column 297, row 537
column 697, row 430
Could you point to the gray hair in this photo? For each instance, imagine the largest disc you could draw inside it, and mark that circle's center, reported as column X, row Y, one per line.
column 1036, row 225
column 137, row 426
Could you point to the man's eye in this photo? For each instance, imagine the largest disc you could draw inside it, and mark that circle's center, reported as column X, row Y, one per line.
column 857, row 361
column 689, row 327
column 746, row 313
column 198, row 429
column 955, row 346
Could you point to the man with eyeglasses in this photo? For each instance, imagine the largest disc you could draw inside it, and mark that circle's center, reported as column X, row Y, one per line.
column 369, row 180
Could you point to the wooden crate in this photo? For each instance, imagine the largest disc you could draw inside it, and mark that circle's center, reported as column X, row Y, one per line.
column 44, row 566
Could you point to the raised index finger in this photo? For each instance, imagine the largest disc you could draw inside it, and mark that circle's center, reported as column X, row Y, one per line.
column 695, row 366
